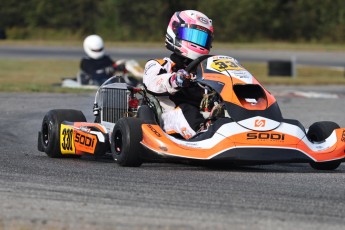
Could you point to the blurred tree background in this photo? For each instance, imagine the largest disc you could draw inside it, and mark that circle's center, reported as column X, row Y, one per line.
column 136, row 20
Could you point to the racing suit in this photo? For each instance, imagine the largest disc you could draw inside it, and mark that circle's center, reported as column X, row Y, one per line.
column 180, row 105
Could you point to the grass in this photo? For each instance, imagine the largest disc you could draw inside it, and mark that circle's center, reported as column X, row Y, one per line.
column 283, row 46
column 305, row 75
column 45, row 75
column 36, row 75
column 216, row 45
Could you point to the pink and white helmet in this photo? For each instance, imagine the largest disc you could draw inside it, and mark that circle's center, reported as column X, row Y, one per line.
column 189, row 34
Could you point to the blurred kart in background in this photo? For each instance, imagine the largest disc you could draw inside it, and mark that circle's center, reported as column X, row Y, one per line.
column 131, row 75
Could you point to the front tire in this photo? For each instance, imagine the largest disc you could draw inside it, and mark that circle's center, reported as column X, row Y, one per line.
column 49, row 136
column 331, row 165
column 125, row 142
column 320, row 131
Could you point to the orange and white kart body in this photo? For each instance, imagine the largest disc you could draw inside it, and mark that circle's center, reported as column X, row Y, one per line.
column 132, row 75
column 248, row 127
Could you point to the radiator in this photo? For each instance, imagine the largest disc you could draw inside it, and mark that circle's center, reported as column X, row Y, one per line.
column 114, row 102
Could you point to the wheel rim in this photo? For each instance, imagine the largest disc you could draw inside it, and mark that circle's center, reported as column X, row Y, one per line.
column 46, row 133
column 118, row 142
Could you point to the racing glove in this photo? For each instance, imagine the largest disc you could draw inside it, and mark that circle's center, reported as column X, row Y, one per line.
column 180, row 79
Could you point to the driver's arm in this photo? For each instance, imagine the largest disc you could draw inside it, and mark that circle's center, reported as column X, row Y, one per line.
column 157, row 78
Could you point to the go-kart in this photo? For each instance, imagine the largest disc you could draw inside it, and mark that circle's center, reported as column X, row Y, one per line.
column 131, row 75
column 244, row 125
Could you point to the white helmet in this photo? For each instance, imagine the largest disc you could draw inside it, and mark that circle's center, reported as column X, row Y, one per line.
column 189, row 34
column 93, row 46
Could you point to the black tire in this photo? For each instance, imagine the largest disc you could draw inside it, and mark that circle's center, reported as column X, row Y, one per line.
column 320, row 131
column 125, row 142
column 331, row 165
column 49, row 137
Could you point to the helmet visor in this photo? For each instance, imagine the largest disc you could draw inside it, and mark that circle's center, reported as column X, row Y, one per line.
column 97, row 50
column 199, row 37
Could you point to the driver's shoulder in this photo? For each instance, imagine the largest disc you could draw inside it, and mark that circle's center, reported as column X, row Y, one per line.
column 164, row 63
column 161, row 61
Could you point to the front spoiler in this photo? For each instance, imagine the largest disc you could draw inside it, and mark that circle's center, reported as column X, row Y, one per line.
column 263, row 155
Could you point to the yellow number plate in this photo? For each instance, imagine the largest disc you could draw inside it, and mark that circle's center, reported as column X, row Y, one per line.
column 66, row 140
column 225, row 64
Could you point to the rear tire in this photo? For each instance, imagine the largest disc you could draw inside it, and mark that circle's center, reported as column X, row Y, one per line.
column 49, row 136
column 320, row 131
column 125, row 142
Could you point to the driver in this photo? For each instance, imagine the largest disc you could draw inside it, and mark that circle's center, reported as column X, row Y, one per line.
column 189, row 36
column 97, row 67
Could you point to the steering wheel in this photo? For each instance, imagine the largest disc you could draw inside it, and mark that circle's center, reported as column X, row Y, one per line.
column 196, row 62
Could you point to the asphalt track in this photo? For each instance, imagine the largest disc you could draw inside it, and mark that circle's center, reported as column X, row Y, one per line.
column 37, row 192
